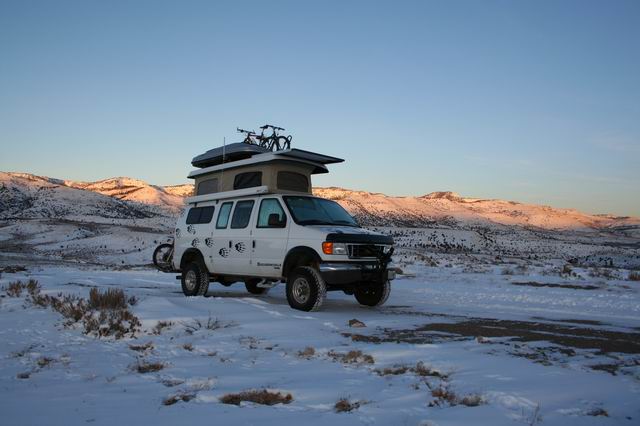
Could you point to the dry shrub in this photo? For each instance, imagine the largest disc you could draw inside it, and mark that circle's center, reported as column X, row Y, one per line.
column 143, row 367
column 596, row 412
column 211, row 324
column 308, row 352
column 111, row 299
column 344, row 405
column 13, row 269
column 103, row 315
column 141, row 348
column 424, row 371
column 634, row 276
column 25, row 375
column 187, row 347
column 352, row 357
column 44, row 361
column 443, row 395
column 160, row 326
column 263, row 397
column 393, row 371
column 184, row 397
column 15, row 288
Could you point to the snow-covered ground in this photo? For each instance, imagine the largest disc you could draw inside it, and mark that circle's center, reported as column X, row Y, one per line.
column 535, row 346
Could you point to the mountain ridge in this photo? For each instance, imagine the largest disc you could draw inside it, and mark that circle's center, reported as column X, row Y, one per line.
column 370, row 208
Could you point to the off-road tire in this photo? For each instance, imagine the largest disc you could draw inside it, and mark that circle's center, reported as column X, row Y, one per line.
column 315, row 289
column 375, row 294
column 198, row 272
column 252, row 287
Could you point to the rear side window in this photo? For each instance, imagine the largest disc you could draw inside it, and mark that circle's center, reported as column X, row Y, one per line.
column 199, row 215
column 292, row 181
column 208, row 186
column 241, row 214
column 223, row 216
column 247, row 180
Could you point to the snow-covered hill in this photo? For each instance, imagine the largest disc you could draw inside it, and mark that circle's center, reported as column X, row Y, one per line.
column 26, row 195
column 124, row 188
column 448, row 207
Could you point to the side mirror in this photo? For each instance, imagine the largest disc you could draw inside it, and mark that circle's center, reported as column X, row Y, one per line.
column 275, row 222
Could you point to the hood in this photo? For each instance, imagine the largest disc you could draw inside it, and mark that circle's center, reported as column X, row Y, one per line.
column 349, row 234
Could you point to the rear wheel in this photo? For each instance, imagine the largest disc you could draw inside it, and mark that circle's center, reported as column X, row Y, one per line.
column 375, row 294
column 306, row 289
column 195, row 279
column 252, row 287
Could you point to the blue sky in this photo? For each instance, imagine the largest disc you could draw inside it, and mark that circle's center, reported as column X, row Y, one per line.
column 534, row 101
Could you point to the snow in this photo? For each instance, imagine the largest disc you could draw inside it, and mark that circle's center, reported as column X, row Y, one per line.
column 91, row 380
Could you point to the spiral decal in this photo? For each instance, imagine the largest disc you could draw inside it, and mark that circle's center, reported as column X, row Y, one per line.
column 209, row 242
column 191, row 229
column 178, row 232
column 240, row 247
column 224, row 252
column 195, row 242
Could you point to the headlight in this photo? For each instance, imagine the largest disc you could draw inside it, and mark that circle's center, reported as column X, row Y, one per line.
column 334, row 248
column 386, row 249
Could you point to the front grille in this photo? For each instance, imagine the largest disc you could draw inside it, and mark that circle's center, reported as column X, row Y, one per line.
column 360, row 251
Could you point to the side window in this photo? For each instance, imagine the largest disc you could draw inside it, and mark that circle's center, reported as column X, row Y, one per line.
column 292, row 181
column 199, row 215
column 241, row 214
column 223, row 216
column 247, row 180
column 208, row 186
column 268, row 207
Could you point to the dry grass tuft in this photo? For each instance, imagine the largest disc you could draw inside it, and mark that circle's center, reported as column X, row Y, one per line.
column 596, row 412
column 211, row 324
column 424, row 371
column 307, row 353
column 188, row 347
column 263, row 397
column 345, row 406
column 184, row 397
column 25, row 375
column 144, row 367
column 352, row 357
column 634, row 276
column 141, row 348
column 111, row 299
column 443, row 395
column 393, row 371
column 44, row 361
column 160, row 326
column 103, row 315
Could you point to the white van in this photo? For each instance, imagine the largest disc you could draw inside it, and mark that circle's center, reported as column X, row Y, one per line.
column 253, row 219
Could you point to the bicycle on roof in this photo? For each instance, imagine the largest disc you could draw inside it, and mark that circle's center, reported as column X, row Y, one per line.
column 272, row 142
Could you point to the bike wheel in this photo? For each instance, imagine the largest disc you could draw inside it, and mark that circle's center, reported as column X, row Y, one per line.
column 163, row 256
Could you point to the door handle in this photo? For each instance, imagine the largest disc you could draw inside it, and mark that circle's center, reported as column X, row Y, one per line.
column 229, row 243
column 253, row 244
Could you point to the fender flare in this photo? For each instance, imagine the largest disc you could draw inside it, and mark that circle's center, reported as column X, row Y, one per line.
column 189, row 255
column 296, row 252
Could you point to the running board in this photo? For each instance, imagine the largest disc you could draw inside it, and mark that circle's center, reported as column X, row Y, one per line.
column 267, row 284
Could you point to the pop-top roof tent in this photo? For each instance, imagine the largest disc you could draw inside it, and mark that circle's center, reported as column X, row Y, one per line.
column 244, row 168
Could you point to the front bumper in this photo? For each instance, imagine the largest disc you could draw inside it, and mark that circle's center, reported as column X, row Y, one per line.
column 353, row 273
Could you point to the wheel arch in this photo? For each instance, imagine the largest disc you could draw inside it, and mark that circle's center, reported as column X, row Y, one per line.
column 190, row 255
column 300, row 256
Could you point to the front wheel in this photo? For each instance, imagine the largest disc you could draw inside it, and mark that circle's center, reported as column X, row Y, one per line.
column 306, row 289
column 195, row 279
column 375, row 294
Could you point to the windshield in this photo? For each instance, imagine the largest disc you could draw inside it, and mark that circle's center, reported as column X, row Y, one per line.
column 318, row 211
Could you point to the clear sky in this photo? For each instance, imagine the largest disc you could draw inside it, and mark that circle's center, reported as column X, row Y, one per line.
column 533, row 101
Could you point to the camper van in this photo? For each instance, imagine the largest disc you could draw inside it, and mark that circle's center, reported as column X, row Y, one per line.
column 253, row 219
